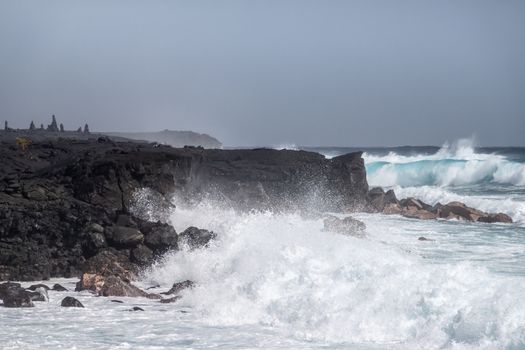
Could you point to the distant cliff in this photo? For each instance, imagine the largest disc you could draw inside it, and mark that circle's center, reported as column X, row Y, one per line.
column 172, row 137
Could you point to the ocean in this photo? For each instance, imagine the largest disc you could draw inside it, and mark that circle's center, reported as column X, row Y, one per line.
column 280, row 281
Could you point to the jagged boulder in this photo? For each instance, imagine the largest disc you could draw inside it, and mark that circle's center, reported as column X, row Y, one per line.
column 196, row 238
column 348, row 225
column 499, row 217
column 159, row 237
column 110, row 274
column 110, row 263
column 142, row 255
column 382, row 202
column 115, row 286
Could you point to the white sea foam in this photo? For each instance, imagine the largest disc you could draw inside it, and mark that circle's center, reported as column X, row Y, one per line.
column 288, row 146
column 286, row 273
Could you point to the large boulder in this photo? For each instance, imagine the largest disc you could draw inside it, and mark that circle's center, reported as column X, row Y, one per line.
column 114, row 286
column 110, row 273
column 348, row 225
column 499, row 217
column 142, row 255
column 15, row 296
column 58, row 288
column 415, row 212
column 110, row 263
column 126, row 237
column 457, row 210
column 106, row 263
column 383, row 202
column 70, row 302
column 196, row 238
column 159, row 237
column 7, row 286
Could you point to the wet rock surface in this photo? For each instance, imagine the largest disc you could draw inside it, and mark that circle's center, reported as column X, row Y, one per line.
column 70, row 302
column 13, row 295
column 196, row 238
column 387, row 203
column 180, row 286
column 347, row 225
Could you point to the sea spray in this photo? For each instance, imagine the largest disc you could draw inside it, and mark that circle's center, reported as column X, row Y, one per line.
column 286, row 272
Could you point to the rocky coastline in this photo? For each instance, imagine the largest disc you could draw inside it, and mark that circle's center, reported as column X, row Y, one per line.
column 97, row 209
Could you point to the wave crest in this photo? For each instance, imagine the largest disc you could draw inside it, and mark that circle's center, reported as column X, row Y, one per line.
column 452, row 165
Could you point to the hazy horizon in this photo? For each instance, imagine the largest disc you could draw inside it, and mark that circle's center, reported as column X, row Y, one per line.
column 309, row 73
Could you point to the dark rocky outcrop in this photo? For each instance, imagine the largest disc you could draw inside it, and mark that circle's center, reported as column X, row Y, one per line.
column 71, row 302
column 62, row 201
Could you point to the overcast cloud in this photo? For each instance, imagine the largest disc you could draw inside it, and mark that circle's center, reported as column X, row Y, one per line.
column 347, row 73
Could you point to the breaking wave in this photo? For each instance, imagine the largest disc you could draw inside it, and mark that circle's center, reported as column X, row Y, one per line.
column 452, row 165
column 285, row 272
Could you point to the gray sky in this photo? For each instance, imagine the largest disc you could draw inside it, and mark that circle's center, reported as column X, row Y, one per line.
column 347, row 73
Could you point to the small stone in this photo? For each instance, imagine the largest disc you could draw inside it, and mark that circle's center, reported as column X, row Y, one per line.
column 58, row 288
column 71, row 302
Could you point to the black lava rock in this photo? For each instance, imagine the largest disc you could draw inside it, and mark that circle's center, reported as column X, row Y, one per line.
column 71, row 302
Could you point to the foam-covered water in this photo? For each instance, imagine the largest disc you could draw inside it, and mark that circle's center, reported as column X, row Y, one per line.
column 284, row 272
